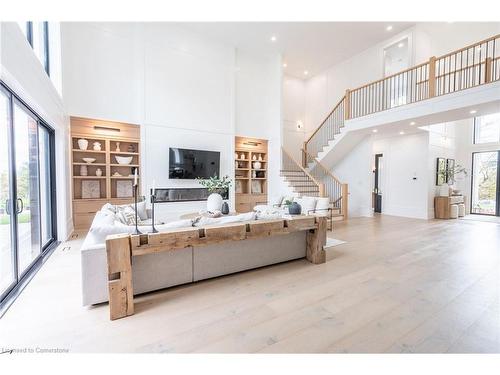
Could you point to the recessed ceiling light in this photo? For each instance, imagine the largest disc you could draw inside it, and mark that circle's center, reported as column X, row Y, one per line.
column 389, row 28
column 284, row 65
column 412, row 123
column 473, row 111
column 401, row 132
column 374, row 130
column 306, row 72
column 401, row 45
column 273, row 38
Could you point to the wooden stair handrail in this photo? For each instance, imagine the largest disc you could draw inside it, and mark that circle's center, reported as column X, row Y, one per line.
column 326, row 118
column 320, row 185
column 323, row 167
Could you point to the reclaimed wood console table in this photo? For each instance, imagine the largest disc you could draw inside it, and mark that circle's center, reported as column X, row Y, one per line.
column 121, row 248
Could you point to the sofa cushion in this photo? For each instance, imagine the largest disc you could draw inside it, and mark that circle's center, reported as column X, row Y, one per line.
column 322, row 206
column 103, row 225
column 117, row 209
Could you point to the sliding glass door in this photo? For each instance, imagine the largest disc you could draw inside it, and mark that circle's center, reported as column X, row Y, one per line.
column 27, row 183
column 7, row 269
column 27, row 194
column 485, row 183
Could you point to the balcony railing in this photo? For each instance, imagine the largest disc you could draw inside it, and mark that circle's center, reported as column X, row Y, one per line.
column 471, row 66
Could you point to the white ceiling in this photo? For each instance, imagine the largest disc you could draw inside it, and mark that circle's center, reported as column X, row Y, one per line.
column 311, row 46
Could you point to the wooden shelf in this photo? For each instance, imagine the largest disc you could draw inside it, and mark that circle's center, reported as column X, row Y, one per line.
column 90, row 177
column 123, row 153
column 250, row 190
column 81, row 128
column 89, row 151
column 89, row 164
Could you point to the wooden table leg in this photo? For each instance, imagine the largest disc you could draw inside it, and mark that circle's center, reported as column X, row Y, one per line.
column 316, row 239
column 121, row 294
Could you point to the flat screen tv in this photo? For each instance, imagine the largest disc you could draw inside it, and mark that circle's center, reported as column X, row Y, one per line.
column 191, row 164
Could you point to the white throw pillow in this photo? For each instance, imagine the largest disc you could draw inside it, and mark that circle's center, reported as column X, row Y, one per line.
column 307, row 204
column 322, row 205
column 141, row 208
column 104, row 225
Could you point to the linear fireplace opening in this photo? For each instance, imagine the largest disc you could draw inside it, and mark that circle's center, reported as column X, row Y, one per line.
column 164, row 195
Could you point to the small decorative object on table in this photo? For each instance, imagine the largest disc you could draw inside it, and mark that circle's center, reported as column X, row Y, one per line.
column 83, row 144
column 225, row 208
column 216, row 187
column 294, row 209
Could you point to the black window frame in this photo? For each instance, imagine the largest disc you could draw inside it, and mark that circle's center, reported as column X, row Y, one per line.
column 9, row 296
column 29, row 36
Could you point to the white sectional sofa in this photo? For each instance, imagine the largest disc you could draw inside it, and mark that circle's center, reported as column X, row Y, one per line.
column 166, row 269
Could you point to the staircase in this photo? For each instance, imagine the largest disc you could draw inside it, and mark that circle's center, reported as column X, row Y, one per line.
column 468, row 67
column 315, row 182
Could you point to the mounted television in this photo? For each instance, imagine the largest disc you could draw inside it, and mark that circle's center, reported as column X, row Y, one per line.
column 191, row 164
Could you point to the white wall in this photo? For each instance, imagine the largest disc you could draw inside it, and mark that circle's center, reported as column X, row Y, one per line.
column 294, row 107
column 181, row 88
column 356, row 170
column 21, row 70
column 405, row 174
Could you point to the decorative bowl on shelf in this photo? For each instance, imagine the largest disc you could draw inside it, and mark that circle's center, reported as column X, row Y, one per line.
column 125, row 160
column 88, row 160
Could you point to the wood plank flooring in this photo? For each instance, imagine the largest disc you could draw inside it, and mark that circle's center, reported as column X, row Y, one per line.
column 396, row 285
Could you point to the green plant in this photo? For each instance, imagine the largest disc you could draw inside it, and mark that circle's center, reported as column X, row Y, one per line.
column 450, row 174
column 215, row 184
column 287, row 202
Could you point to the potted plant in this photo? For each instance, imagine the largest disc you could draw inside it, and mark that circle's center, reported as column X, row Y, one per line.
column 216, row 187
column 450, row 176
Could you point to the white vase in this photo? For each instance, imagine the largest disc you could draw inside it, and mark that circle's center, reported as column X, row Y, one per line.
column 214, row 202
column 257, row 165
column 97, row 146
column 444, row 190
column 83, row 170
column 83, row 144
column 98, row 172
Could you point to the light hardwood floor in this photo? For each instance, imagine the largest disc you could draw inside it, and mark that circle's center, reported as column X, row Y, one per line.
column 397, row 285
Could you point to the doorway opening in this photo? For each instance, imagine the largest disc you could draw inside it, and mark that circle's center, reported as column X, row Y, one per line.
column 377, row 186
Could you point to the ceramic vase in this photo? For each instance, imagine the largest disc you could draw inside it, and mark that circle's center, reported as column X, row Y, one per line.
column 117, row 147
column 98, row 172
column 225, row 208
column 83, row 170
column 97, row 146
column 214, row 202
column 444, row 190
column 294, row 209
column 257, row 165
column 83, row 144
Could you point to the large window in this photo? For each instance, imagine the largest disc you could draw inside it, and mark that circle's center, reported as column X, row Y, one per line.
column 485, row 184
column 37, row 34
column 487, row 129
column 27, row 192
